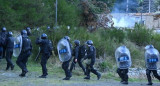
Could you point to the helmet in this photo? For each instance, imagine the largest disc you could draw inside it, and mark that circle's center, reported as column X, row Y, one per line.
column 149, row 46
column 77, row 42
column 28, row 29
column 67, row 37
column 23, row 32
column 10, row 33
column 44, row 36
column 89, row 42
column 4, row 29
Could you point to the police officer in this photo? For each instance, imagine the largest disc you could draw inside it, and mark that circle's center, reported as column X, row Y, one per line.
column 65, row 64
column 3, row 39
column 28, row 29
column 44, row 42
column 91, row 56
column 9, row 50
column 25, row 53
column 151, row 60
column 77, row 56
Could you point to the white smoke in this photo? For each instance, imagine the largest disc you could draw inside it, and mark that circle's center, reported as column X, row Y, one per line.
column 123, row 20
column 120, row 16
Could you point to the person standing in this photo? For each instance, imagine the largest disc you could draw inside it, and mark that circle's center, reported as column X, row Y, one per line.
column 3, row 36
column 78, row 55
column 45, row 50
column 25, row 53
column 151, row 60
column 123, row 59
column 9, row 50
column 91, row 56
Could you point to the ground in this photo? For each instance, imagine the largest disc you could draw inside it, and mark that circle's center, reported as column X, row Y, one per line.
column 56, row 74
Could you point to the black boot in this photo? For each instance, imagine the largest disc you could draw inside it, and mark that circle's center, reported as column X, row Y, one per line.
column 149, row 83
column 12, row 67
column 88, row 78
column 42, row 76
column 66, row 78
column 125, row 82
column 98, row 76
column 7, row 67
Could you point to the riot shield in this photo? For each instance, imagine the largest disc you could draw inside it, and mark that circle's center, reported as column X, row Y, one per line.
column 64, row 50
column 123, row 57
column 17, row 45
column 151, row 58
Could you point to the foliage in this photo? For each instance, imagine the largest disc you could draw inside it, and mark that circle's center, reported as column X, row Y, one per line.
column 140, row 35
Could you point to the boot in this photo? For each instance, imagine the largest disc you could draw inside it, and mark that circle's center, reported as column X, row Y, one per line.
column 42, row 76
column 12, row 67
column 149, row 83
column 125, row 82
column 98, row 76
column 66, row 78
column 88, row 78
column 7, row 67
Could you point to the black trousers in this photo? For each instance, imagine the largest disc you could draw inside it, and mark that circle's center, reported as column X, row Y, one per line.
column 1, row 51
column 90, row 68
column 22, row 60
column 4, row 52
column 9, row 53
column 148, row 73
column 65, row 66
column 79, row 63
column 123, row 73
column 44, row 60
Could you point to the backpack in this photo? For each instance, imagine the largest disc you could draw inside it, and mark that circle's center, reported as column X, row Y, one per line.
column 50, row 46
column 82, row 50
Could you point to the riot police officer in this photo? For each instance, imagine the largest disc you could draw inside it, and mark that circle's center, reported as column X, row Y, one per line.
column 65, row 64
column 28, row 29
column 25, row 53
column 9, row 50
column 3, row 37
column 77, row 56
column 45, row 51
column 151, row 60
column 91, row 56
column 123, row 59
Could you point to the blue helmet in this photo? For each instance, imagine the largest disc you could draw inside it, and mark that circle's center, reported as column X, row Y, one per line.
column 77, row 42
column 67, row 37
column 4, row 29
column 44, row 36
column 24, row 33
column 89, row 42
column 48, row 27
column 10, row 33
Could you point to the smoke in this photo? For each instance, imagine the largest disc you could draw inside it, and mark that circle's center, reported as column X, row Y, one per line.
column 121, row 13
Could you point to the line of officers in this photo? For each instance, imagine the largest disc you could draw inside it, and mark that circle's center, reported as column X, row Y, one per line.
column 7, row 46
column 80, row 53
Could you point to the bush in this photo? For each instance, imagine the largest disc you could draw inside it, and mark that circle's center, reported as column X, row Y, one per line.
column 140, row 35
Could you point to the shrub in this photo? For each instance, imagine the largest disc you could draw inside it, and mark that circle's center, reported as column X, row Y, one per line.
column 140, row 35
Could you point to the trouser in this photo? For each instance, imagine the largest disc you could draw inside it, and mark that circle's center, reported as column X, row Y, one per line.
column 90, row 68
column 1, row 51
column 123, row 73
column 79, row 63
column 148, row 72
column 22, row 60
column 65, row 66
column 9, row 53
column 44, row 60
column 4, row 52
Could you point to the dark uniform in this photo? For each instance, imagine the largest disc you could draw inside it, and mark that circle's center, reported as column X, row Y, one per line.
column 77, row 55
column 151, row 66
column 9, row 50
column 91, row 56
column 65, row 65
column 25, row 53
column 3, row 36
column 44, row 42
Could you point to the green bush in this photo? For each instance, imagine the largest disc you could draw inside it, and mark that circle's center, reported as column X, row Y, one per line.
column 140, row 35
